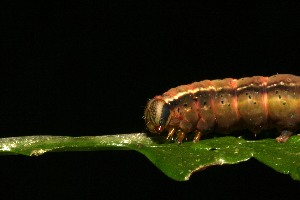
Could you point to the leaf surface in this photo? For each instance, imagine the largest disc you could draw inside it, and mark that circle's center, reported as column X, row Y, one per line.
column 176, row 161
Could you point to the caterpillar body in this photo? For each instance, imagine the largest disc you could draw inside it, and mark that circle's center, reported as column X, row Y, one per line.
column 255, row 103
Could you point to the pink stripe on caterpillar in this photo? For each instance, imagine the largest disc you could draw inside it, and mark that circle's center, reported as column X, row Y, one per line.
column 265, row 96
column 234, row 99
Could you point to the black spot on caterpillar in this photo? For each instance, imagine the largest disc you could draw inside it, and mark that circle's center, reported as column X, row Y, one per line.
column 256, row 103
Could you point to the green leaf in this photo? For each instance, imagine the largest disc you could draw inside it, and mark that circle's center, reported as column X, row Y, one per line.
column 176, row 161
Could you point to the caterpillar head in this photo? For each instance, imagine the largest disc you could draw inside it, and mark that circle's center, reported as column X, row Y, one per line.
column 157, row 115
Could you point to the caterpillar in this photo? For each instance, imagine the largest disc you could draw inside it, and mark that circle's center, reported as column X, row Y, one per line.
column 256, row 103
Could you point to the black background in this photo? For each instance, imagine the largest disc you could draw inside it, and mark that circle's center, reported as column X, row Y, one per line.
column 88, row 68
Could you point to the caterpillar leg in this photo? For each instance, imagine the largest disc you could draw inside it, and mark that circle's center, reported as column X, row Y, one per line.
column 180, row 136
column 284, row 136
column 171, row 133
column 197, row 137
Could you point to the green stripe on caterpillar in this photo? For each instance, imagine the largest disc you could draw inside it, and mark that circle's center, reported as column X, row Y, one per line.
column 256, row 103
